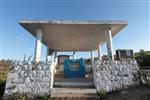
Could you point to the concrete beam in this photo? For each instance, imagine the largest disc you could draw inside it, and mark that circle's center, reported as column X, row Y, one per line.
column 84, row 29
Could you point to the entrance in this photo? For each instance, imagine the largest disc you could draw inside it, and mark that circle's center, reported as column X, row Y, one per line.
column 73, row 72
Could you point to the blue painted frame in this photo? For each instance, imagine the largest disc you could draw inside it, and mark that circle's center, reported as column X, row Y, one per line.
column 68, row 73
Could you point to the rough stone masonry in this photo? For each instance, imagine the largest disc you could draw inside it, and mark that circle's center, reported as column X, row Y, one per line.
column 115, row 75
column 38, row 78
column 29, row 78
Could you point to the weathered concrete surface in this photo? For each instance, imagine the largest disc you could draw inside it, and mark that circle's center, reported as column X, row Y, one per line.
column 115, row 75
column 29, row 78
column 74, row 94
column 73, row 35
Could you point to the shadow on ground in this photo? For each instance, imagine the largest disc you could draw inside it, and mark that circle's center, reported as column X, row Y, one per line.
column 135, row 93
column 2, row 88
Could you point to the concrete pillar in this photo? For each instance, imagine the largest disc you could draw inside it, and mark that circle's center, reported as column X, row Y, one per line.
column 74, row 55
column 38, row 45
column 47, row 54
column 109, row 45
column 92, row 56
column 55, row 56
column 99, row 52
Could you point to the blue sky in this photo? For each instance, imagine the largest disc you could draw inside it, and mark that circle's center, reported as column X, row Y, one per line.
column 16, row 41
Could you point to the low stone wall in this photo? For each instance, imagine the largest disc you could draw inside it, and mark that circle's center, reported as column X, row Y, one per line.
column 29, row 78
column 145, row 77
column 114, row 75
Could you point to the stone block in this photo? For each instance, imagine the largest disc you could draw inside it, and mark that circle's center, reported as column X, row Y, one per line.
column 47, row 73
column 39, row 73
column 12, row 75
column 32, row 73
column 20, row 88
column 46, row 79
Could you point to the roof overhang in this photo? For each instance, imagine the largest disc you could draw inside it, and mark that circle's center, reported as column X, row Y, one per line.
column 73, row 35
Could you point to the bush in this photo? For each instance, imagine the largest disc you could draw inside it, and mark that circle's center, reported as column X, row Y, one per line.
column 143, row 58
column 102, row 94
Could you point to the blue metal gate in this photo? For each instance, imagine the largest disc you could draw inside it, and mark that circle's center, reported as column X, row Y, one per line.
column 74, row 68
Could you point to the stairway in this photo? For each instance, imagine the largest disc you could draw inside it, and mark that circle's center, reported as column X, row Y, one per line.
column 74, row 94
column 74, row 88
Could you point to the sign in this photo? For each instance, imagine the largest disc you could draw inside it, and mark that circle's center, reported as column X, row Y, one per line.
column 124, row 54
column 74, row 66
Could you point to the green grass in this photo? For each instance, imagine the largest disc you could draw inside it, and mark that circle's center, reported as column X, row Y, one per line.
column 3, row 78
column 3, row 73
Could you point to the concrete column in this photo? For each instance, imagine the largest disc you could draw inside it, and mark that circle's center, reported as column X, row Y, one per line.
column 47, row 54
column 55, row 56
column 38, row 45
column 74, row 55
column 99, row 53
column 92, row 56
column 109, row 45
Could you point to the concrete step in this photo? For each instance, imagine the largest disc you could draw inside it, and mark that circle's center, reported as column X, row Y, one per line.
column 74, row 94
column 75, row 97
column 74, row 91
column 73, row 84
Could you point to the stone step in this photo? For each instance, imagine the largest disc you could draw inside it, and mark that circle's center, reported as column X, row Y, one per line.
column 73, row 84
column 75, row 97
column 74, row 94
column 74, row 90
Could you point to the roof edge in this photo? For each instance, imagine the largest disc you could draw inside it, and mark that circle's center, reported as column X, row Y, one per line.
column 73, row 22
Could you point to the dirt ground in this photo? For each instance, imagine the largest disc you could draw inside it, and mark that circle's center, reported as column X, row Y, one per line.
column 136, row 93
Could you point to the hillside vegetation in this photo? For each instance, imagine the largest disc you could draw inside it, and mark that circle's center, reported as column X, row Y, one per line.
column 143, row 58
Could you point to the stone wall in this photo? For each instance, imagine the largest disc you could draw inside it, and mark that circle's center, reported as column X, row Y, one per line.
column 145, row 77
column 114, row 75
column 29, row 78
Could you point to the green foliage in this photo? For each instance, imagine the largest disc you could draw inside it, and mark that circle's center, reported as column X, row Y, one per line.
column 44, row 97
column 146, row 85
column 102, row 93
column 4, row 70
column 143, row 58
column 20, row 97
column 3, row 75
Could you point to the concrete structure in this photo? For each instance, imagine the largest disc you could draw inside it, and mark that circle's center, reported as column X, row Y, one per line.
column 109, row 44
column 99, row 53
column 92, row 55
column 25, row 77
column 73, row 35
column 38, row 45
column 74, row 55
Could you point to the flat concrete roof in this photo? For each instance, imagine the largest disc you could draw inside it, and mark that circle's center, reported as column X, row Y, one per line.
column 73, row 35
